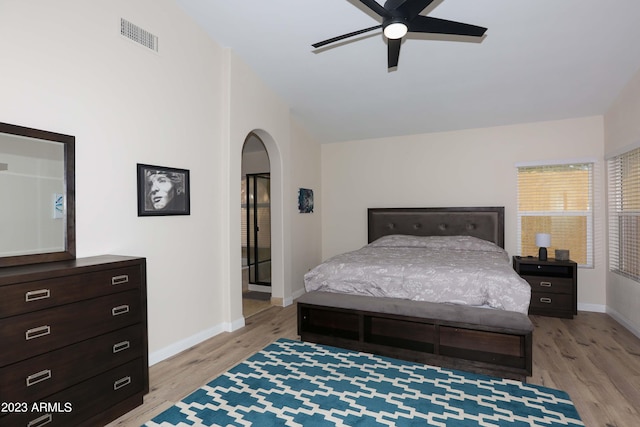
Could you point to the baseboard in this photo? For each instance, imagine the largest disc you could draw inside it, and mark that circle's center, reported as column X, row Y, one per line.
column 297, row 294
column 259, row 288
column 623, row 321
column 596, row 308
column 235, row 325
column 182, row 345
column 285, row 302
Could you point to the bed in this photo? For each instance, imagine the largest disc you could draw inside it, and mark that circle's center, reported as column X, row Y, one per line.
column 472, row 317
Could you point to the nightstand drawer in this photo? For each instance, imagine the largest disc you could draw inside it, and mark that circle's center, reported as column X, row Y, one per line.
column 548, row 301
column 555, row 270
column 553, row 285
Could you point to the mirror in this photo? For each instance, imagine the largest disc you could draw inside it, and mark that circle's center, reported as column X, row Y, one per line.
column 37, row 189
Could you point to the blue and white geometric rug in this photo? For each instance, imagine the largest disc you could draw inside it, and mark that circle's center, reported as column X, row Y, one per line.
column 293, row 383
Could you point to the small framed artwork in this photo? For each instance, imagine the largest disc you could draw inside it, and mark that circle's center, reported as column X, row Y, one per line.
column 162, row 191
column 305, row 200
column 58, row 206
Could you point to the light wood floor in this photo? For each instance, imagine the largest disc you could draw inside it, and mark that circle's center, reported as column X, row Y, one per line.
column 592, row 357
column 253, row 306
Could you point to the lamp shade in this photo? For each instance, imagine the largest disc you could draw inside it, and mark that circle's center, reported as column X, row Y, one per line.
column 543, row 240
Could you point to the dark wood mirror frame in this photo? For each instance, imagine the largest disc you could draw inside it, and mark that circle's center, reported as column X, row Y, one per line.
column 69, row 187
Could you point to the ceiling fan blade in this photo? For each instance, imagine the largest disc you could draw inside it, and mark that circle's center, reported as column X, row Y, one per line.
column 412, row 8
column 393, row 52
column 376, row 7
column 427, row 24
column 344, row 36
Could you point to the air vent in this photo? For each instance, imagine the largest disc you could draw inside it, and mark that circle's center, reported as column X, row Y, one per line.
column 138, row 35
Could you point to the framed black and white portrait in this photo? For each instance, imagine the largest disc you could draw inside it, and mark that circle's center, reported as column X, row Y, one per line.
column 162, row 191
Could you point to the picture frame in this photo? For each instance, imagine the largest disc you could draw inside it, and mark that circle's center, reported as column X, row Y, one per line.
column 305, row 200
column 163, row 191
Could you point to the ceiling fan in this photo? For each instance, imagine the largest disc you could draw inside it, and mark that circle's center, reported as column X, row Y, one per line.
column 400, row 17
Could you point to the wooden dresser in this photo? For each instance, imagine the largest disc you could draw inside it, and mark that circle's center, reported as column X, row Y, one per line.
column 73, row 341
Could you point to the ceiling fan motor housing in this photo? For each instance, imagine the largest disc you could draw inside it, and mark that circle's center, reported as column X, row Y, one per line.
column 393, row 4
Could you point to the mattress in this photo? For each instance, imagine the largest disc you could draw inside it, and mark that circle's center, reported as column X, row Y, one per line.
column 461, row 270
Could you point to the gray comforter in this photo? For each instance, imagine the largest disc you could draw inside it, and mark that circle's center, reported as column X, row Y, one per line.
column 456, row 269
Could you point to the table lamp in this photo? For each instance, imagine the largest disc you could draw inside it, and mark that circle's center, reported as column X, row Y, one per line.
column 543, row 241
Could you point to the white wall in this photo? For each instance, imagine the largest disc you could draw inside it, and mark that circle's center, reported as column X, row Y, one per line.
column 255, row 108
column 65, row 68
column 465, row 168
column 622, row 129
column 306, row 228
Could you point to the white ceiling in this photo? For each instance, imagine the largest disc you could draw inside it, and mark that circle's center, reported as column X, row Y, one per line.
column 539, row 60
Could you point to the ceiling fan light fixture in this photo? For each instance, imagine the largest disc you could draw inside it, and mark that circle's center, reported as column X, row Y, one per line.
column 397, row 18
column 395, row 30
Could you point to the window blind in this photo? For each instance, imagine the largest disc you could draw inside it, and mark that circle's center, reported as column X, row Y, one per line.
column 624, row 213
column 558, row 200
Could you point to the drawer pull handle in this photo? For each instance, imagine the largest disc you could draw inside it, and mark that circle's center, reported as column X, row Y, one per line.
column 121, row 346
column 118, row 280
column 545, row 300
column 545, row 284
column 38, row 377
column 38, row 332
column 121, row 309
column 40, row 421
column 37, row 295
column 122, row 382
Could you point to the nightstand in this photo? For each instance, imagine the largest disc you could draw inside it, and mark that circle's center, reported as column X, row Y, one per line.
column 554, row 285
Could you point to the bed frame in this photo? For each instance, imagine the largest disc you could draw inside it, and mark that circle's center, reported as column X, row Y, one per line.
column 479, row 340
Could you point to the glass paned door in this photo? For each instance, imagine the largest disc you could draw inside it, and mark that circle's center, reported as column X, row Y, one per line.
column 259, row 228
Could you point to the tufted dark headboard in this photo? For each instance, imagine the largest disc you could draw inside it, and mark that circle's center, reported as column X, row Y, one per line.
column 483, row 222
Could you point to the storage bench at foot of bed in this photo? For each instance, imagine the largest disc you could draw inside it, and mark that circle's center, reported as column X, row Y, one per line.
column 473, row 339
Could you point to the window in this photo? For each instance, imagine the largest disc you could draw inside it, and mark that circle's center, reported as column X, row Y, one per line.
column 624, row 214
column 558, row 200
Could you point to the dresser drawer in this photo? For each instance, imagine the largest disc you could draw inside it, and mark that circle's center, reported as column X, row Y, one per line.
column 555, row 285
column 549, row 301
column 44, row 375
column 42, row 331
column 36, row 295
column 84, row 400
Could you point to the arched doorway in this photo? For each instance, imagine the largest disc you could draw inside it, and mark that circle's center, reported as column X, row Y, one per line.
column 256, row 226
